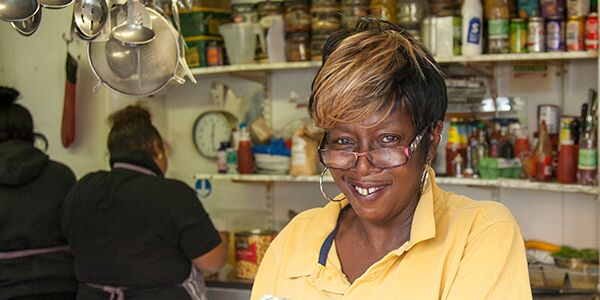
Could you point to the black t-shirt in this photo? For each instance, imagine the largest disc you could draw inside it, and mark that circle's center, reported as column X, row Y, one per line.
column 32, row 192
column 131, row 229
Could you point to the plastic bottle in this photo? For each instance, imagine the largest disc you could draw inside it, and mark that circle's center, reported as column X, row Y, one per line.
column 587, row 166
column 506, row 147
column 222, row 157
column 543, row 155
column 497, row 14
column 452, row 147
column 244, row 152
column 567, row 158
column 521, row 143
column 472, row 28
column 494, row 149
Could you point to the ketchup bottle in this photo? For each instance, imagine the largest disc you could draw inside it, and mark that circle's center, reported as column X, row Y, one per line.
column 244, row 152
column 567, row 157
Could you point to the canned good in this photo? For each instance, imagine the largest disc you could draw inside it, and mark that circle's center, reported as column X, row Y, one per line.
column 553, row 9
column 575, row 28
column 578, row 8
column 591, row 31
column 518, row 36
column 555, row 35
column 549, row 113
column 214, row 54
column 536, row 35
column 317, row 41
column 528, row 8
column 250, row 248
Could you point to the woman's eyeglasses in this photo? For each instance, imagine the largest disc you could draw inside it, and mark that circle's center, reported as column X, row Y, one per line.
column 384, row 158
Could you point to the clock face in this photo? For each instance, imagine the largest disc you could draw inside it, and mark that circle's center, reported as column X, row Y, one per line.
column 210, row 130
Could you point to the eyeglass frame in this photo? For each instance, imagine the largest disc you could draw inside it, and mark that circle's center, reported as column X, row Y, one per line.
column 408, row 152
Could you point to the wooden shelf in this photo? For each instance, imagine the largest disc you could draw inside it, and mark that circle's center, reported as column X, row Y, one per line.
column 504, row 183
column 485, row 58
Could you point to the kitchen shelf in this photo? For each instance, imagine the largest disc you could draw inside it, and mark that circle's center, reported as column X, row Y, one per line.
column 547, row 56
column 489, row 183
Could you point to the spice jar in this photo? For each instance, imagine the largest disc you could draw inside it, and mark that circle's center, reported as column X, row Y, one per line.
column 297, row 16
column 353, row 10
column 316, row 44
column 325, row 18
column 297, row 46
column 244, row 11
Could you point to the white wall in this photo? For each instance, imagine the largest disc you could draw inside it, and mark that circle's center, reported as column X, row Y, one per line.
column 35, row 66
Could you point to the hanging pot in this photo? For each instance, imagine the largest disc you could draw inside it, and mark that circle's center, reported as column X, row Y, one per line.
column 18, row 10
column 139, row 70
column 55, row 4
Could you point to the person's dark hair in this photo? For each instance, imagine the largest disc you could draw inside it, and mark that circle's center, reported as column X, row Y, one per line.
column 132, row 129
column 377, row 67
column 16, row 122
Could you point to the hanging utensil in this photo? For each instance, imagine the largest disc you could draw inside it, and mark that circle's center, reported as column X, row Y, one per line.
column 136, row 31
column 18, row 10
column 28, row 26
column 55, row 4
column 90, row 17
column 68, row 126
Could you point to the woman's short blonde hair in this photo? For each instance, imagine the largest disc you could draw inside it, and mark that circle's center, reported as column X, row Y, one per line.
column 374, row 67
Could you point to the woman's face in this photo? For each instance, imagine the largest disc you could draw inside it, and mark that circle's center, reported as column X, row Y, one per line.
column 391, row 190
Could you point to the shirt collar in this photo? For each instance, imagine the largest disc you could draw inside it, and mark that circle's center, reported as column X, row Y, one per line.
column 422, row 229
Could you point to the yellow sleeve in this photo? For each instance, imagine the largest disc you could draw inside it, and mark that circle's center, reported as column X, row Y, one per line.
column 270, row 269
column 493, row 266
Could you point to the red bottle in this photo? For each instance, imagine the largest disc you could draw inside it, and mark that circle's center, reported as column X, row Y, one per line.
column 567, row 156
column 244, row 152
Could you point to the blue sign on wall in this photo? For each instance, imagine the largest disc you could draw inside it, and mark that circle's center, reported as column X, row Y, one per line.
column 203, row 188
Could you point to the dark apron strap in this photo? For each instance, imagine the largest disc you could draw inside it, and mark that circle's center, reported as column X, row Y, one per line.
column 33, row 252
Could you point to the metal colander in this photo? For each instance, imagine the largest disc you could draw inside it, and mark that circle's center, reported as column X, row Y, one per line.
column 138, row 71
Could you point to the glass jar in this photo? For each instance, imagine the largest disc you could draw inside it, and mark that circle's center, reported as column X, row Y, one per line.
column 269, row 8
column 353, row 10
column 297, row 16
column 385, row 9
column 297, row 46
column 325, row 17
column 325, row 2
column 244, row 12
column 316, row 44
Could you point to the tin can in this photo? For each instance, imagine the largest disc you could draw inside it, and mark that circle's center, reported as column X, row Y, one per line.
column 518, row 36
column 550, row 114
column 250, row 248
column 553, row 9
column 575, row 28
column 578, row 8
column 555, row 35
column 591, row 31
column 536, row 35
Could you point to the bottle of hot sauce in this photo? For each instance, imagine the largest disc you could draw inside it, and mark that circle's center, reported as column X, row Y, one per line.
column 244, row 152
column 543, row 155
column 567, row 154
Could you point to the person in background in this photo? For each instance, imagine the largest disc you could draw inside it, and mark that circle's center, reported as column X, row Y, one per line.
column 392, row 233
column 35, row 262
column 134, row 233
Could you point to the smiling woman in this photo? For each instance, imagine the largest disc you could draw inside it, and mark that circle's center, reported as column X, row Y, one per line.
column 392, row 233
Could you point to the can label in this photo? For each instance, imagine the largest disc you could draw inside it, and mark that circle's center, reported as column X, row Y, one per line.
column 566, row 136
column 498, row 29
column 591, row 32
column 549, row 114
column 535, row 36
column 518, row 37
column 528, row 8
column 474, row 33
column 578, row 8
column 588, row 159
column 575, row 34
column 544, row 166
column 553, row 8
column 555, row 35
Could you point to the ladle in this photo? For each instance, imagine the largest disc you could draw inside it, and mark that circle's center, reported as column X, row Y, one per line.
column 136, row 30
column 28, row 26
column 90, row 17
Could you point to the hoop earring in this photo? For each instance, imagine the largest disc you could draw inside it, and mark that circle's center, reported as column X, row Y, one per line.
column 323, row 191
column 424, row 178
